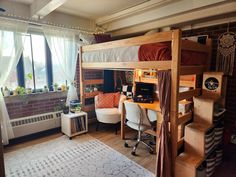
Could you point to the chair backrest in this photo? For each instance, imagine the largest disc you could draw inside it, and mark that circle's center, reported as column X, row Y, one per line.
column 122, row 99
column 136, row 114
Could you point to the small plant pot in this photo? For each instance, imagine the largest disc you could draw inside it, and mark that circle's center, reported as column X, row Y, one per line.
column 15, row 92
column 6, row 93
column 66, row 110
column 29, row 90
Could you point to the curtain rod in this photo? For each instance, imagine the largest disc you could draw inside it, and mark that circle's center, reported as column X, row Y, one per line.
column 33, row 22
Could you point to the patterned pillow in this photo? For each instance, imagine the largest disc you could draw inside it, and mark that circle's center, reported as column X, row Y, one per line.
column 116, row 99
column 105, row 100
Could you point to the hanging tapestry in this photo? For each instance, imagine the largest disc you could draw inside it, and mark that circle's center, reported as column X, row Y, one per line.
column 226, row 53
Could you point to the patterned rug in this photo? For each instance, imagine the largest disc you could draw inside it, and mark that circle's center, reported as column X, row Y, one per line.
column 64, row 158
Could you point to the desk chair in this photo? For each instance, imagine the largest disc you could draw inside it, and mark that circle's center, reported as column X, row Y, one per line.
column 137, row 119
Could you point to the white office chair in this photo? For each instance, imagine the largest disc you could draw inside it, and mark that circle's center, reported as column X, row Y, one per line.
column 137, row 119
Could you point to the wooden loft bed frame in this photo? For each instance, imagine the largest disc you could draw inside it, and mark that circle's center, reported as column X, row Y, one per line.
column 177, row 70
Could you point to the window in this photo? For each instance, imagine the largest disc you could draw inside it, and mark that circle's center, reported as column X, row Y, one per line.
column 34, row 58
column 12, row 82
column 7, row 52
column 57, row 73
column 37, row 67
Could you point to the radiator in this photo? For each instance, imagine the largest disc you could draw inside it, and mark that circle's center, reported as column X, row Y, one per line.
column 36, row 123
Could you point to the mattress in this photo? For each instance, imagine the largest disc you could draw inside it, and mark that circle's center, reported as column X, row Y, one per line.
column 147, row 52
column 121, row 54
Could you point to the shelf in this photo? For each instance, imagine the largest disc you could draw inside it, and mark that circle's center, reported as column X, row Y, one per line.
column 74, row 124
column 91, row 94
column 88, row 108
column 199, row 127
column 93, row 81
column 147, row 80
column 189, row 160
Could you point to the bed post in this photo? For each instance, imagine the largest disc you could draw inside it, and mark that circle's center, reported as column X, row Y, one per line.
column 175, row 72
column 81, row 78
column 209, row 45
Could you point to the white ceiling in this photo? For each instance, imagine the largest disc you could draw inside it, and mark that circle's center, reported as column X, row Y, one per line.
column 23, row 1
column 92, row 9
column 97, row 8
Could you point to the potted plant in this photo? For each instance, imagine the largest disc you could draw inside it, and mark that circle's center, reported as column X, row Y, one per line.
column 55, row 86
column 6, row 91
column 15, row 92
column 63, row 87
column 45, row 89
column 29, row 77
column 65, row 109
column 21, row 90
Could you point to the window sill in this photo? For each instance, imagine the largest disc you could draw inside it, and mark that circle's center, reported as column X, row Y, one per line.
column 35, row 96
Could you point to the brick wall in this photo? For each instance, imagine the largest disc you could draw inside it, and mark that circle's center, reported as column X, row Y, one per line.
column 28, row 105
column 214, row 32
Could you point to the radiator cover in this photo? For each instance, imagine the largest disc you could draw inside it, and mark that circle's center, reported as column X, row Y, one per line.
column 36, row 123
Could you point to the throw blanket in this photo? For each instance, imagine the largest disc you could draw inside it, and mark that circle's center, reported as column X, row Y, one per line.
column 162, row 51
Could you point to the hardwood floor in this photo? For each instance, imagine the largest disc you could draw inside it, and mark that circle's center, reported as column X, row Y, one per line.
column 106, row 134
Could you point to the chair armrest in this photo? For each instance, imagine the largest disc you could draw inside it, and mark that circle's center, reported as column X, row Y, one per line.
column 122, row 99
column 95, row 101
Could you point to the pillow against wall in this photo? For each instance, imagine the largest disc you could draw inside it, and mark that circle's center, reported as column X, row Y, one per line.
column 105, row 100
column 102, row 38
column 151, row 32
column 87, row 38
column 116, row 99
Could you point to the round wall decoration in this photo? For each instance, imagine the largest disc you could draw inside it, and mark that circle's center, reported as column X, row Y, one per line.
column 211, row 83
column 226, row 53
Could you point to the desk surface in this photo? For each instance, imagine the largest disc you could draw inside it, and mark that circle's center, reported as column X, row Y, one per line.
column 155, row 106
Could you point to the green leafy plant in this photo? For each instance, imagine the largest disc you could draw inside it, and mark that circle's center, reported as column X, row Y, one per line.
column 29, row 76
column 20, row 90
column 55, row 86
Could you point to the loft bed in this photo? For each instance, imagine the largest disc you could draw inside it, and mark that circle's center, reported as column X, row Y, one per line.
column 174, row 63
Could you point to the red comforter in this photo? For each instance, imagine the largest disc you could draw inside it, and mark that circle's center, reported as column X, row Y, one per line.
column 162, row 51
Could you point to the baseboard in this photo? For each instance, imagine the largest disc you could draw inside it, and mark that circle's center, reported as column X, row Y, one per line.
column 33, row 136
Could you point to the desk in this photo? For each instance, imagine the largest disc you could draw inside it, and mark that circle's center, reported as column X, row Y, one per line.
column 155, row 106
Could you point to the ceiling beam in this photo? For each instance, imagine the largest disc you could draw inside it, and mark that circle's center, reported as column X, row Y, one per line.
column 162, row 12
column 41, row 8
column 132, row 11
column 187, row 18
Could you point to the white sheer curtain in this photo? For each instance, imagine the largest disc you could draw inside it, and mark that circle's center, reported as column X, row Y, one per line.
column 11, row 47
column 62, row 44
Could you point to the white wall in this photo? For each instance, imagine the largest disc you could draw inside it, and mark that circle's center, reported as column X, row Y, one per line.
column 23, row 10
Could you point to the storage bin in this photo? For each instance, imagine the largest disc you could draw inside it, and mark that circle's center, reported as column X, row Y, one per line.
column 219, row 130
column 219, row 155
column 201, row 170
column 209, row 141
column 210, row 164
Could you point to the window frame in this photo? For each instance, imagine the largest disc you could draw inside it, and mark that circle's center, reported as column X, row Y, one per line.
column 48, row 66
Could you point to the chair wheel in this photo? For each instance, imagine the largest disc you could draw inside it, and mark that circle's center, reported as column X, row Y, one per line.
column 133, row 153
column 126, row 145
column 151, row 151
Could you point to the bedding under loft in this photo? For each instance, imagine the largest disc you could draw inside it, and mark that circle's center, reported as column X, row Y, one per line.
column 174, row 65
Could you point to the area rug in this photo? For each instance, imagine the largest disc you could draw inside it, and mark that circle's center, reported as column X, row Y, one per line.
column 64, row 158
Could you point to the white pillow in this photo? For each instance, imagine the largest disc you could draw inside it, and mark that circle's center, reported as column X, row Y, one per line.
column 87, row 38
column 151, row 32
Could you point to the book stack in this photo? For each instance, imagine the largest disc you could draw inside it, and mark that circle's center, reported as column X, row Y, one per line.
column 78, row 124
